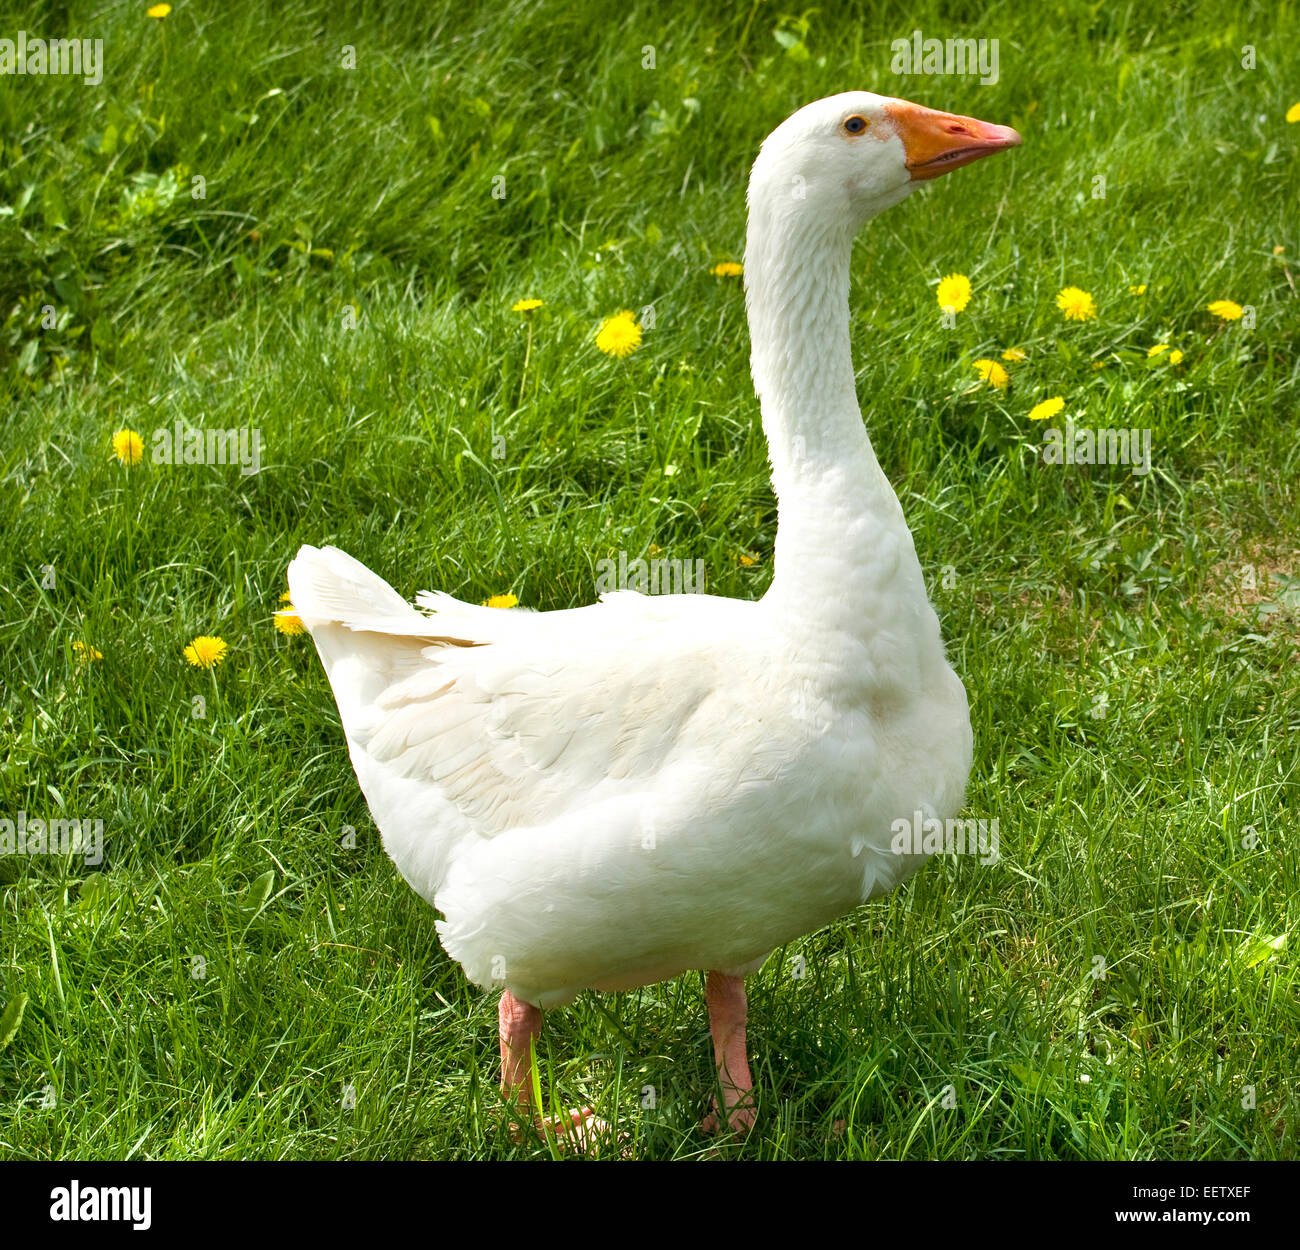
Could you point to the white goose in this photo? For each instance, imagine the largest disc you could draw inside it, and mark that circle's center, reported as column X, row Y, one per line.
column 605, row 797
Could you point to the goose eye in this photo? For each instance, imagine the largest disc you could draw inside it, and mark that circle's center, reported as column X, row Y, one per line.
column 855, row 125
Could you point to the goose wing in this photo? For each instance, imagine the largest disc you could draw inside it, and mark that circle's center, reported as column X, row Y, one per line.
column 514, row 718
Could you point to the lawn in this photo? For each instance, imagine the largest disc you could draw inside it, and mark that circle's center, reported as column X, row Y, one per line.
column 311, row 222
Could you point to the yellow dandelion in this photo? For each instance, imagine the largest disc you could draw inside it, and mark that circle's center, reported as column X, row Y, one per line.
column 1048, row 408
column 1225, row 310
column 992, row 373
column 727, row 269
column 1077, row 305
column 206, row 651
column 158, row 10
column 1014, row 354
column 953, row 292
column 1293, row 113
column 287, row 620
column 1138, row 290
column 501, row 601
column 747, row 560
column 1098, row 364
column 86, row 654
column 1157, row 349
column 619, row 335
column 128, row 446
column 1279, row 248
column 526, row 305
column 1175, row 357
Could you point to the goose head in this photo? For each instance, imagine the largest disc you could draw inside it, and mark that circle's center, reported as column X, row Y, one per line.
column 848, row 157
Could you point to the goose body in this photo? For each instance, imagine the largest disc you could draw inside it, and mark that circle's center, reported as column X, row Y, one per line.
column 607, row 796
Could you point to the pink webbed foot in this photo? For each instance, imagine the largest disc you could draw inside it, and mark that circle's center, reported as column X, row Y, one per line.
column 578, row 1129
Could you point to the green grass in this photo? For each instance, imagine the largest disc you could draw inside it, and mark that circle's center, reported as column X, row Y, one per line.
column 1135, row 702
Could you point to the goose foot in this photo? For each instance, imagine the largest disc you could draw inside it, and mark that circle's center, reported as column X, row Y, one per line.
column 725, row 996
column 580, row 1128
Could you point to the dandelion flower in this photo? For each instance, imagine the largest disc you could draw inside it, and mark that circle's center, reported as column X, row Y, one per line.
column 1175, row 357
column 1157, row 349
column 526, row 305
column 1077, row 305
column 206, row 652
column 1293, row 113
column 1048, row 408
column 992, row 373
column 500, row 601
column 1138, row 290
column 1279, row 248
column 1014, row 354
column 727, row 269
column 128, row 446
column 86, row 654
column 158, row 10
column 287, row 620
column 953, row 292
column 619, row 335
column 1225, row 310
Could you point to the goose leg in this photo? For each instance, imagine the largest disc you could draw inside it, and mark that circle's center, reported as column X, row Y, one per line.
column 519, row 1024
column 727, row 1010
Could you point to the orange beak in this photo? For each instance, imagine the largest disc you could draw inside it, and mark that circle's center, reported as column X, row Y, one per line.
column 937, row 142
